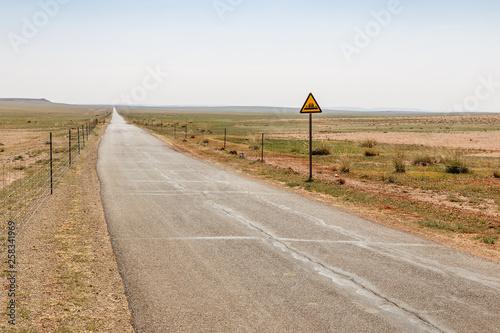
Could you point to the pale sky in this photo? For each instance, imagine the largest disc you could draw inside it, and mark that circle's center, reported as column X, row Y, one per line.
column 425, row 54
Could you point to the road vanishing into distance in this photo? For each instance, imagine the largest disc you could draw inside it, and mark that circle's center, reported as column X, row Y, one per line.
column 203, row 249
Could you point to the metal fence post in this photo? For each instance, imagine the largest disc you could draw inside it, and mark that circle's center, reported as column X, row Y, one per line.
column 69, row 147
column 225, row 132
column 78, row 130
column 83, row 136
column 262, row 159
column 51, row 172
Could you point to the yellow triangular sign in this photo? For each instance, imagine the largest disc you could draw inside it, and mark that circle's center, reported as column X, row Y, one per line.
column 311, row 106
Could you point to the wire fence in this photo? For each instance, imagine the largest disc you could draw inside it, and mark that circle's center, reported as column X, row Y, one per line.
column 30, row 176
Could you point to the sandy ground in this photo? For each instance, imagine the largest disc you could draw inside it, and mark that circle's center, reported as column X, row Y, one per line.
column 470, row 140
column 68, row 279
column 31, row 146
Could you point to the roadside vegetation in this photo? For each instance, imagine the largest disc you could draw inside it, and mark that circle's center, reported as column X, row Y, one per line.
column 445, row 191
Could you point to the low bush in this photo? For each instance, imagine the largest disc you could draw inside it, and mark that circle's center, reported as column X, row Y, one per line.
column 456, row 163
column 424, row 159
column 456, row 166
column 370, row 152
column 344, row 163
column 398, row 161
column 368, row 144
column 322, row 150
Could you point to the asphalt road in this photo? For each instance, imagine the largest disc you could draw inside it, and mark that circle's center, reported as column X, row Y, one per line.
column 201, row 249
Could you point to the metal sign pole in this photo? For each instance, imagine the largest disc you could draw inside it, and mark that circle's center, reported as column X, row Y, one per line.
column 310, row 148
column 310, row 106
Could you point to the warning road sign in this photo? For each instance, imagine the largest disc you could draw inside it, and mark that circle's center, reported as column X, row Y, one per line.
column 311, row 106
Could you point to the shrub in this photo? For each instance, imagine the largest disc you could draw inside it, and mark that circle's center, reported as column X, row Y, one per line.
column 344, row 163
column 205, row 141
column 368, row 144
column 369, row 152
column 398, row 161
column 322, row 150
column 424, row 159
column 496, row 174
column 254, row 147
column 456, row 167
column 456, row 163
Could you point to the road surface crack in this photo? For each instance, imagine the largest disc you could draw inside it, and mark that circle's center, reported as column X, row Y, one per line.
column 346, row 280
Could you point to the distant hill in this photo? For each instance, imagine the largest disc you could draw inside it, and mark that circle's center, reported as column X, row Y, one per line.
column 25, row 100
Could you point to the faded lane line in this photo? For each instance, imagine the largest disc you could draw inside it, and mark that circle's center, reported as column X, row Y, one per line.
column 188, row 238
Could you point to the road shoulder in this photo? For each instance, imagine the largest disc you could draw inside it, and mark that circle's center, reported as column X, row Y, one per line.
column 68, row 279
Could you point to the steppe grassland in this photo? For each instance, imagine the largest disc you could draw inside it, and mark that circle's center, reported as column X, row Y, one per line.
column 24, row 133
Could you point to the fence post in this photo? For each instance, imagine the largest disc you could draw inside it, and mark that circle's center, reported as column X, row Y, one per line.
column 78, row 130
column 225, row 132
column 69, row 147
column 185, row 132
column 51, row 173
column 262, row 159
column 83, row 136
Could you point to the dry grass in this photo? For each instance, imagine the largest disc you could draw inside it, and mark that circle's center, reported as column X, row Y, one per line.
column 345, row 163
column 368, row 144
column 399, row 162
column 456, row 163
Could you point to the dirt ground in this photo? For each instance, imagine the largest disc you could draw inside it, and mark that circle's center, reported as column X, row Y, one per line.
column 68, row 279
column 28, row 144
column 470, row 140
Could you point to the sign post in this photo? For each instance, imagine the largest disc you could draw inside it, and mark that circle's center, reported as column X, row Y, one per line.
column 310, row 106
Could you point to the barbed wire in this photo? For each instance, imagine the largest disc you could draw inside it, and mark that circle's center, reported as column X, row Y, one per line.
column 22, row 198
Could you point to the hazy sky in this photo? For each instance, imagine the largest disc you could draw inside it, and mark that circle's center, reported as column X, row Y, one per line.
column 427, row 54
